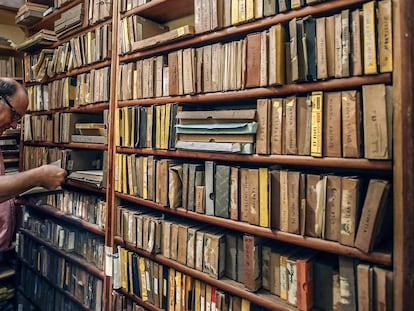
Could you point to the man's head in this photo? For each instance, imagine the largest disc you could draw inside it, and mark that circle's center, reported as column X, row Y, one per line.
column 13, row 103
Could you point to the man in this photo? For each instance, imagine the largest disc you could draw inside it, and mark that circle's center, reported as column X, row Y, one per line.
column 13, row 105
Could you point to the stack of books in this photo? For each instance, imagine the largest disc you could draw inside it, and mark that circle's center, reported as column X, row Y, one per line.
column 30, row 13
column 43, row 38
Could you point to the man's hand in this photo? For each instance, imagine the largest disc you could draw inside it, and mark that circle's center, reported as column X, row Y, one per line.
column 50, row 176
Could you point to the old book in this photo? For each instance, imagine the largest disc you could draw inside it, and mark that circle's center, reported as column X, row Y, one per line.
column 264, row 56
column 222, row 191
column 356, row 43
column 383, row 289
column 370, row 34
column 375, row 120
column 302, row 54
column 269, row 7
column 199, row 247
column 182, row 240
column 322, row 64
column 265, row 264
column 276, row 127
column 284, row 201
column 253, row 190
column 349, row 210
column 210, row 168
column 284, row 273
column 244, row 194
column 263, row 133
column 338, row 45
column 214, row 253
column 276, row 62
column 372, row 215
column 294, row 57
column 252, row 259
column 385, row 38
column 274, row 176
column 274, row 278
column 173, row 73
column 200, row 199
column 345, row 35
column 253, row 59
column 317, row 124
column 333, row 208
column 324, row 270
column 311, row 204
column 311, row 47
column 330, row 44
column 231, row 257
column 305, row 279
column 293, row 202
column 234, row 193
column 264, row 210
column 290, row 134
column 320, row 207
column 174, row 241
column 332, row 145
column 364, row 275
column 347, row 279
column 303, row 124
column 351, row 124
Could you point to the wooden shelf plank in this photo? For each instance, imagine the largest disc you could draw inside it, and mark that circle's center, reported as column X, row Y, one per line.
column 84, row 186
column 137, row 299
column 90, row 108
column 69, row 145
column 73, row 258
column 163, row 11
column 54, row 212
column 342, row 163
column 314, row 243
column 6, row 272
column 261, row 298
column 288, row 89
column 238, row 31
column 64, row 292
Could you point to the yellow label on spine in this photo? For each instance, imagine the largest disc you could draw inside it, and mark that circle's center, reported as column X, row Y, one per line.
column 316, row 126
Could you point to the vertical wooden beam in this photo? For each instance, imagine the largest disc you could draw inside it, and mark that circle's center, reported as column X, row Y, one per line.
column 403, row 155
column 110, row 190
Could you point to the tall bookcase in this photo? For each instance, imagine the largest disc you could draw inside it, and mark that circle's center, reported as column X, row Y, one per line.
column 398, row 257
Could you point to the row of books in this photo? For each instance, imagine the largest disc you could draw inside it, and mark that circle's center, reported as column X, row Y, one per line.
column 169, row 289
column 70, row 19
column 348, row 124
column 126, row 5
column 71, row 159
column 75, row 91
column 10, row 66
column 84, row 244
column 122, row 302
column 48, row 271
column 317, row 205
column 64, row 127
column 82, row 50
column 88, row 207
column 260, row 58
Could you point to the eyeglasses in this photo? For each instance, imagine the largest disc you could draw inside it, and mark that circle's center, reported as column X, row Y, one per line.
column 15, row 116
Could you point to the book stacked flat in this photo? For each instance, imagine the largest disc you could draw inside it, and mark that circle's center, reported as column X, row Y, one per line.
column 30, row 13
column 231, row 131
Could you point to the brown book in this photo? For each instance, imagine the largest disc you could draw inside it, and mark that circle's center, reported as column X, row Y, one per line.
column 304, row 279
column 293, row 204
column 333, row 208
column 173, row 73
column 274, row 199
column 263, row 125
column 276, row 126
column 200, row 203
column 290, row 126
column 234, row 193
column 207, row 69
column 253, row 59
column 347, row 280
column 174, row 241
column 244, row 194
column 253, row 190
column 332, row 145
column 351, row 124
column 277, row 57
column 311, row 206
column 265, row 264
column 373, row 212
column 252, row 259
column 365, row 287
column 375, row 120
column 330, row 44
column 303, row 124
column 385, row 44
column 338, row 45
column 322, row 64
column 349, row 212
column 284, row 201
column 383, row 289
column 214, row 254
column 182, row 240
column 356, row 43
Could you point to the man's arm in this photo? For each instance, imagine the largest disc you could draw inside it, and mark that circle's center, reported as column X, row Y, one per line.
column 47, row 176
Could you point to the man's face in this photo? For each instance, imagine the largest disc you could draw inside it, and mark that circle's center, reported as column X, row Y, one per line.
column 12, row 108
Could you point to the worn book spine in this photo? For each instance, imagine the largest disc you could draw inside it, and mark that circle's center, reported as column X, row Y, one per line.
column 349, row 212
column 370, row 34
column 332, row 145
column 317, row 124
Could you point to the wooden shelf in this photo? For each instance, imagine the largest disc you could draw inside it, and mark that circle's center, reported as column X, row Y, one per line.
column 314, row 243
column 84, row 186
column 163, row 11
column 137, row 299
column 261, row 298
column 6, row 272
column 90, row 108
column 54, row 212
column 237, row 31
column 73, row 258
column 56, row 287
column 72, row 72
column 288, row 89
column 342, row 163
column 69, row 145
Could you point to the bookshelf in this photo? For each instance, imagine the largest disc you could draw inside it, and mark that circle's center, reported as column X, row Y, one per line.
column 394, row 255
